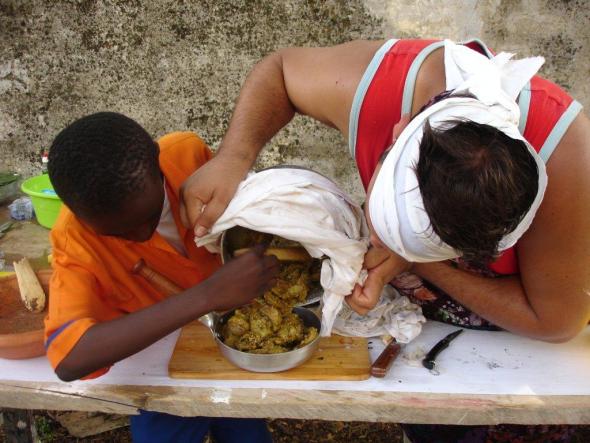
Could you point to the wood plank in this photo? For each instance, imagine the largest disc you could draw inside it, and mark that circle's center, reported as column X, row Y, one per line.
column 392, row 407
column 196, row 356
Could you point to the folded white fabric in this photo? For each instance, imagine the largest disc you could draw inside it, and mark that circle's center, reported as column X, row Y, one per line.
column 396, row 207
column 394, row 315
column 306, row 207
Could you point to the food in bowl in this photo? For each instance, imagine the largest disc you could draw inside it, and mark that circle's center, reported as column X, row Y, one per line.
column 263, row 329
column 269, row 326
column 239, row 240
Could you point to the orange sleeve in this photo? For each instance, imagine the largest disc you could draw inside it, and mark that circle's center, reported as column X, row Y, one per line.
column 75, row 301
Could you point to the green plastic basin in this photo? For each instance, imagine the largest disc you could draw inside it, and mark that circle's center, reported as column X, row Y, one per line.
column 45, row 201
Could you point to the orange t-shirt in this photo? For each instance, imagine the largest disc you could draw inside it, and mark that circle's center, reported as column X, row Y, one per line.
column 92, row 280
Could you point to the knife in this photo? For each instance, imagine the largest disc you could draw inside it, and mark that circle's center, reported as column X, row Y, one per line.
column 380, row 367
column 429, row 361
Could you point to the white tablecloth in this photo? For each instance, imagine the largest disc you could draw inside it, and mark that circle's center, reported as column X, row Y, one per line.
column 477, row 362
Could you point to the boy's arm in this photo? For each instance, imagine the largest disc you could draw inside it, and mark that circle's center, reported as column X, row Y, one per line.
column 106, row 343
column 319, row 82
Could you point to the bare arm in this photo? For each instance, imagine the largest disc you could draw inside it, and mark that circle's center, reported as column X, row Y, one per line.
column 550, row 300
column 107, row 343
column 319, row 82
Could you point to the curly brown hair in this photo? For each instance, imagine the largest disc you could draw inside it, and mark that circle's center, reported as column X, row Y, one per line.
column 476, row 183
column 99, row 160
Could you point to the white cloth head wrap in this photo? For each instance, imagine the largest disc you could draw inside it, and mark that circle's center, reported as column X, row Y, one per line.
column 395, row 205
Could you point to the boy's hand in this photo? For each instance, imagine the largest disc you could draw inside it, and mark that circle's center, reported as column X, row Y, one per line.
column 243, row 279
column 105, row 343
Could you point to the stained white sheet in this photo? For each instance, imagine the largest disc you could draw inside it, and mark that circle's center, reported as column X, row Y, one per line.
column 476, row 362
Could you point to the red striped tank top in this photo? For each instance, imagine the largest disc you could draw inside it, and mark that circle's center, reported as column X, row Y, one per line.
column 386, row 92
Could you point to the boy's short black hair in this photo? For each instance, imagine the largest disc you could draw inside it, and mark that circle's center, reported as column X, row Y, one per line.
column 99, row 160
column 476, row 184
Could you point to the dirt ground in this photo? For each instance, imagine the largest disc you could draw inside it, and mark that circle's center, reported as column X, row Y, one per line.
column 283, row 431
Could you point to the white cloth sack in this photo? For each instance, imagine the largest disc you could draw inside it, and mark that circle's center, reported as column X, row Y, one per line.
column 308, row 208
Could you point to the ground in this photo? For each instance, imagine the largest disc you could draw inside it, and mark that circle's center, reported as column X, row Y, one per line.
column 283, row 431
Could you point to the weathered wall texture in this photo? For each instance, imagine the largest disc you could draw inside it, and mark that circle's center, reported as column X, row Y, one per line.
column 176, row 65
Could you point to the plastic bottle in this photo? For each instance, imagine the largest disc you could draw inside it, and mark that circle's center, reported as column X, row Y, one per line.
column 21, row 209
column 44, row 162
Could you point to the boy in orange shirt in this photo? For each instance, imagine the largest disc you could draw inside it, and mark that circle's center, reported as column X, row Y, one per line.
column 121, row 194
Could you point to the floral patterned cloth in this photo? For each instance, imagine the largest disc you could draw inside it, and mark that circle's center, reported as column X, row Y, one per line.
column 437, row 305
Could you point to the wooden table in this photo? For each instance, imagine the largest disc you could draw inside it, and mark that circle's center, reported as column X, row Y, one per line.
column 485, row 378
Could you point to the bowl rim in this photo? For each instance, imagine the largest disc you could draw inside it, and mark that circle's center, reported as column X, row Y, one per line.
column 19, row 339
column 33, row 193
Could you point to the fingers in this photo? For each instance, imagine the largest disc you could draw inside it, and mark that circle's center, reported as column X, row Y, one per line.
column 353, row 302
column 258, row 250
column 271, row 262
column 267, row 266
column 191, row 205
column 365, row 298
column 269, row 269
column 189, row 212
column 269, row 285
column 372, row 289
column 359, row 310
column 207, row 216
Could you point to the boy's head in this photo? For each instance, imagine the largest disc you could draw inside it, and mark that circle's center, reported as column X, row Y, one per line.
column 105, row 169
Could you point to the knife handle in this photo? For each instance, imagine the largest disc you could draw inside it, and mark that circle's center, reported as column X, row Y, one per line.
column 380, row 367
column 161, row 283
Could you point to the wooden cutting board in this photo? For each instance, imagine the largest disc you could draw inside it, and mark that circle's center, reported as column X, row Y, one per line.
column 338, row 358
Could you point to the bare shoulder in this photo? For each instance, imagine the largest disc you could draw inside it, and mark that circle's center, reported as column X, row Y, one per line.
column 568, row 189
column 554, row 254
column 321, row 82
column 430, row 79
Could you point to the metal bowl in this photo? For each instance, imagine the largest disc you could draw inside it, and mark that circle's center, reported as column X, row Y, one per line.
column 269, row 362
column 239, row 237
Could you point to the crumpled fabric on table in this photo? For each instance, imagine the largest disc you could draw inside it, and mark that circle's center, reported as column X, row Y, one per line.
column 394, row 315
column 306, row 207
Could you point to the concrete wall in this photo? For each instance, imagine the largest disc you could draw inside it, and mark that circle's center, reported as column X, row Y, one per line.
column 177, row 65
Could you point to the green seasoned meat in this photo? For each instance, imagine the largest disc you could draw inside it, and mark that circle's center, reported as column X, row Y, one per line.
column 260, row 324
column 238, row 325
column 273, row 315
column 310, row 335
column 249, row 342
column 268, row 325
column 291, row 330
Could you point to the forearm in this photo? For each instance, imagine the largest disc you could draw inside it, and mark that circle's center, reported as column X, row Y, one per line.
column 107, row 343
column 502, row 301
column 262, row 109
